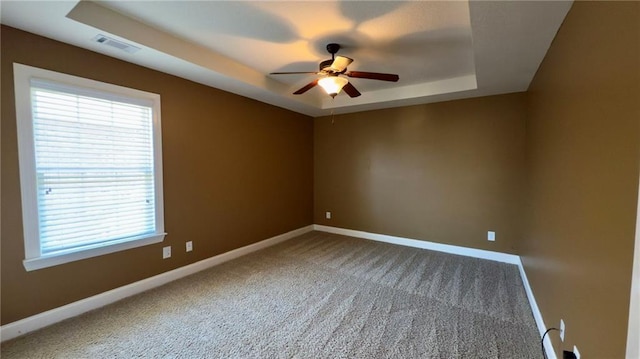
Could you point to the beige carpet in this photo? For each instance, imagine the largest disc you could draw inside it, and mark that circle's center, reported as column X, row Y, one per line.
column 315, row 296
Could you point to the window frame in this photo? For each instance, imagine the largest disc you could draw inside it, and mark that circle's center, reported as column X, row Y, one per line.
column 34, row 259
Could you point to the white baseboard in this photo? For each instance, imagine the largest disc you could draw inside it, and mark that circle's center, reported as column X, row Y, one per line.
column 537, row 315
column 464, row 251
column 26, row 325
column 439, row 247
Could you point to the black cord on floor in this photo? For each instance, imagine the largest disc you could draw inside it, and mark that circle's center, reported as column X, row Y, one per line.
column 544, row 353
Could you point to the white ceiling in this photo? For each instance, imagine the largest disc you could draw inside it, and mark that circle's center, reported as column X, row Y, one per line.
column 441, row 50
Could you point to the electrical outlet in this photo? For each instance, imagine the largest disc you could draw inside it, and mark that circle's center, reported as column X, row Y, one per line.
column 166, row 252
column 328, row 215
column 576, row 352
column 562, row 330
column 491, row 236
column 189, row 246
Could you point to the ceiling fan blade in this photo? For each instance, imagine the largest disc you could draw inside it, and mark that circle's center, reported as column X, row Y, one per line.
column 340, row 63
column 307, row 87
column 373, row 76
column 292, row 73
column 351, row 90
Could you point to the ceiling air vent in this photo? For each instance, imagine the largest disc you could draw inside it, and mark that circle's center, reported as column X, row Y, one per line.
column 116, row 43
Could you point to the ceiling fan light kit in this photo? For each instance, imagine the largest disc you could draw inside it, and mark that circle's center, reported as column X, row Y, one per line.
column 333, row 83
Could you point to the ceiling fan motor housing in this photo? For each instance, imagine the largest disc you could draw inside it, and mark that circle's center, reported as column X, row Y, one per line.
column 325, row 64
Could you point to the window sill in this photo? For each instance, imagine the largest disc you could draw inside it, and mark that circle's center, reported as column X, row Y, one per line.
column 51, row 260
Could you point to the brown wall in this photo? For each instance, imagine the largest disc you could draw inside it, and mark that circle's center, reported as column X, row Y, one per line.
column 554, row 172
column 583, row 136
column 445, row 172
column 236, row 171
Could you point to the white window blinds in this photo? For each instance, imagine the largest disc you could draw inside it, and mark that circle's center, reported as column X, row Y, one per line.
column 94, row 164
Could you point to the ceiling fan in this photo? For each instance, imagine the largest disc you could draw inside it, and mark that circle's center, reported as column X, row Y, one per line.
column 332, row 82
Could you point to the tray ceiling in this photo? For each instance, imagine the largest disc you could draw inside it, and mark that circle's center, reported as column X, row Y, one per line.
column 442, row 50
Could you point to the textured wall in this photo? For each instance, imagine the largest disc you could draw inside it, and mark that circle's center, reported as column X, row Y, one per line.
column 444, row 172
column 236, row 171
column 583, row 136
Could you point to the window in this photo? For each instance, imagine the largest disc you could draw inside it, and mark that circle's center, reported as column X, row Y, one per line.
column 90, row 167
